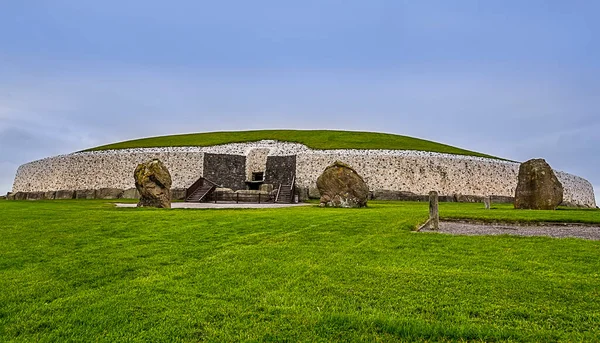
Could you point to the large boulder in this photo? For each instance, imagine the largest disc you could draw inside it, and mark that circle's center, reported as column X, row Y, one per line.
column 538, row 187
column 153, row 182
column 341, row 186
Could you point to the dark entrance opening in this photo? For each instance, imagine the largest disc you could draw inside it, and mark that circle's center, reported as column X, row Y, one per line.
column 257, row 179
column 259, row 176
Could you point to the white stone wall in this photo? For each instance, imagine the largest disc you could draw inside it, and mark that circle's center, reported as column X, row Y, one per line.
column 412, row 171
column 423, row 172
column 107, row 169
column 256, row 161
column 577, row 190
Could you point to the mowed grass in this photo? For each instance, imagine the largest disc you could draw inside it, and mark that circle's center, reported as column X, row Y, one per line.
column 86, row 271
column 316, row 139
column 507, row 214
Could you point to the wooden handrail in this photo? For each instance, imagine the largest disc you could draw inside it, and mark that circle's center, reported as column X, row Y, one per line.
column 210, row 190
column 292, row 188
column 199, row 183
column 213, row 183
column 278, row 191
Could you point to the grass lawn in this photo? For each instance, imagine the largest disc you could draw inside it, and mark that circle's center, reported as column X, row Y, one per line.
column 86, row 271
column 316, row 139
column 507, row 213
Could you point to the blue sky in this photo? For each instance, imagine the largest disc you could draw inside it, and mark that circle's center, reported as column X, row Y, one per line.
column 510, row 78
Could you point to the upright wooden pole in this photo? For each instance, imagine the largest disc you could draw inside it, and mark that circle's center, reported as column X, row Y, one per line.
column 434, row 214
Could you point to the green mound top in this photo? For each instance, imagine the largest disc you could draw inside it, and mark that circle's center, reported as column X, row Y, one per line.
column 315, row 139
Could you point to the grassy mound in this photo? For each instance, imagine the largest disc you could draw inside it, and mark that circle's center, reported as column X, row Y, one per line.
column 74, row 270
column 315, row 139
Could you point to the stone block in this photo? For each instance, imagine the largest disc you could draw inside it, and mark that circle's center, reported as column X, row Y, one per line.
column 499, row 199
column 131, row 193
column 21, row 196
column 36, row 195
column 85, row 194
column 64, row 195
column 109, row 193
column 302, row 193
column 10, row 196
column 153, row 181
column 468, row 198
column 266, row 187
column 252, row 192
column 50, row 195
column 313, row 193
column 178, row 193
column 538, row 188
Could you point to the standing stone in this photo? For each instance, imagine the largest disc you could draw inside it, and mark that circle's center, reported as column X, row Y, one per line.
column 538, row 187
column 434, row 211
column 487, row 202
column 341, row 186
column 153, row 182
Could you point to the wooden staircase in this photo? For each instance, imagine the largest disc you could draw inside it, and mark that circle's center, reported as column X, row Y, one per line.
column 285, row 193
column 200, row 191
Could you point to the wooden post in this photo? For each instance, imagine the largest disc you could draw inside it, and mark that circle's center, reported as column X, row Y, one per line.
column 487, row 201
column 237, row 198
column 259, row 198
column 434, row 214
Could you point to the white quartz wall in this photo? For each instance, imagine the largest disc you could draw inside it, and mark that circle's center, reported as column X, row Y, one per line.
column 412, row 171
column 95, row 170
column 577, row 190
column 256, row 161
column 421, row 173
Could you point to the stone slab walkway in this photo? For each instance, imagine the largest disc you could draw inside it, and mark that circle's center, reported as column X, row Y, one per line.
column 555, row 231
column 223, row 205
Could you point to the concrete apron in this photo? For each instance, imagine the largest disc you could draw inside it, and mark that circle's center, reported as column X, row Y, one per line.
column 222, row 205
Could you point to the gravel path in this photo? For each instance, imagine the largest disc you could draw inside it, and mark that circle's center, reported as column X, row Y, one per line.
column 556, row 231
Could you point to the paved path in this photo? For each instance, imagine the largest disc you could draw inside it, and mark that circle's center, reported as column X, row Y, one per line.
column 222, row 205
column 556, row 231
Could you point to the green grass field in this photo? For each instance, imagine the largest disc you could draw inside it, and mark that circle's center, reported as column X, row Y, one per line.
column 316, row 139
column 84, row 271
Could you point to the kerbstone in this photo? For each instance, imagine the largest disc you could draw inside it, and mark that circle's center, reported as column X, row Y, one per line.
column 153, row 182
column 64, row 194
column 341, row 186
column 538, row 187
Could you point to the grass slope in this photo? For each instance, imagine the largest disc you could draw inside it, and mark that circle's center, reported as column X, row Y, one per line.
column 316, row 139
column 80, row 271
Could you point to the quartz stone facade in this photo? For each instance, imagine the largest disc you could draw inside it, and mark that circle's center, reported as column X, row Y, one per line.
column 392, row 170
